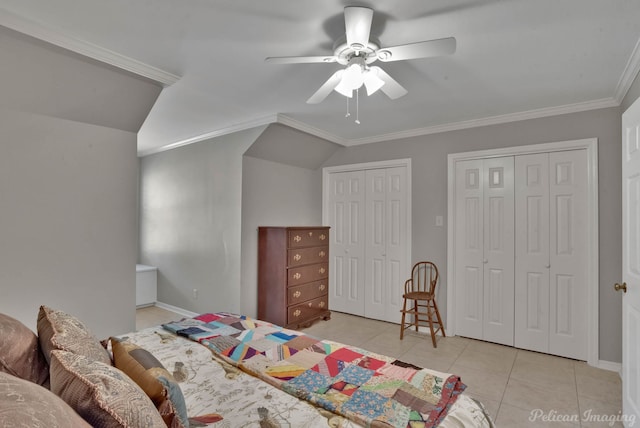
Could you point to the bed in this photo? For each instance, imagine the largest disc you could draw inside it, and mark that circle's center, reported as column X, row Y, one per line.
column 228, row 370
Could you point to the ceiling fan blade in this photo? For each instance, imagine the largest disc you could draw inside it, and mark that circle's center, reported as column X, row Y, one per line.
column 326, row 88
column 300, row 59
column 391, row 88
column 357, row 22
column 426, row 49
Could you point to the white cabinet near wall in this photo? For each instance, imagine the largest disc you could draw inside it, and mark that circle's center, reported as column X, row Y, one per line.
column 146, row 285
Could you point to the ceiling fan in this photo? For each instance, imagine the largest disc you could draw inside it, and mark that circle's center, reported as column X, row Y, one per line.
column 358, row 51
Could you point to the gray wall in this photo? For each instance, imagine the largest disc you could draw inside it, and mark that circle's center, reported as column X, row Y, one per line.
column 68, row 174
column 429, row 192
column 67, row 221
column 273, row 194
column 190, row 221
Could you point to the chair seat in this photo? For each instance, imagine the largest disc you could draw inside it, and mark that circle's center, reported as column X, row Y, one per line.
column 418, row 295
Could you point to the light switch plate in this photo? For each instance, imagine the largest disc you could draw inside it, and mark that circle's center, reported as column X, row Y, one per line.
column 439, row 220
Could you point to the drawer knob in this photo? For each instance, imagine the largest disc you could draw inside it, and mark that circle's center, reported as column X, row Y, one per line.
column 321, row 270
column 310, row 304
column 322, row 287
column 322, row 254
column 297, row 313
column 297, row 294
column 297, row 238
column 297, row 257
column 310, row 234
column 321, row 304
column 323, row 237
column 297, row 275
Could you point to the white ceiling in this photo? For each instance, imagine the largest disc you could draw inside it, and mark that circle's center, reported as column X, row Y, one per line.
column 515, row 59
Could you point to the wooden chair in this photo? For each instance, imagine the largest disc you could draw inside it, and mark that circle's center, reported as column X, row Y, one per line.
column 421, row 289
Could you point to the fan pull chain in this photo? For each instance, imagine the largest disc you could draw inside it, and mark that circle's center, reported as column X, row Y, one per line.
column 348, row 114
column 358, row 106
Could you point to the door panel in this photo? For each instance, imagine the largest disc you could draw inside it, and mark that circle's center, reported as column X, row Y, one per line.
column 532, row 252
column 568, row 254
column 631, row 262
column 498, row 250
column 347, row 244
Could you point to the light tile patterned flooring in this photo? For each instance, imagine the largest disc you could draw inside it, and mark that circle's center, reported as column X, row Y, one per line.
column 510, row 382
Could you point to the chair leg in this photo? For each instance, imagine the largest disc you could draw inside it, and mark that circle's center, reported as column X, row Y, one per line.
column 430, row 320
column 416, row 318
column 439, row 319
column 404, row 312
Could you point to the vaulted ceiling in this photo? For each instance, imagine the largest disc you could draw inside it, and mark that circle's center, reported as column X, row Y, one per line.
column 515, row 59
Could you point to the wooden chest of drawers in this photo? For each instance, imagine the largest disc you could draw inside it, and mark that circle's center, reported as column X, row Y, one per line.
column 293, row 275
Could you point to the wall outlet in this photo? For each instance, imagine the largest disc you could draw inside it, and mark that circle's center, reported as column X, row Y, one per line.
column 195, row 293
column 439, row 220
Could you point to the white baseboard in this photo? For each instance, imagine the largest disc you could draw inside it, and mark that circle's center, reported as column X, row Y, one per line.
column 611, row 366
column 176, row 309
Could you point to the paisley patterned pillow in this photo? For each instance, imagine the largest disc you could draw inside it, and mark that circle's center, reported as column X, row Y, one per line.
column 25, row 404
column 154, row 379
column 20, row 353
column 58, row 330
column 103, row 395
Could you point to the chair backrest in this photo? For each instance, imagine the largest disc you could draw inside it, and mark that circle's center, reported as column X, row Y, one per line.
column 424, row 277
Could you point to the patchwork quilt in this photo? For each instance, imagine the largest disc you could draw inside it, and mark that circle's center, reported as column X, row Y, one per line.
column 368, row 388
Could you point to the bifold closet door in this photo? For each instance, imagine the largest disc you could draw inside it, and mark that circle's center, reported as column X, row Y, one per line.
column 551, row 254
column 386, row 196
column 484, row 216
column 346, row 217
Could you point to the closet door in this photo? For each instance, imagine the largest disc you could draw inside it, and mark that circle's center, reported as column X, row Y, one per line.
column 568, row 254
column 498, row 250
column 469, row 245
column 386, row 197
column 484, row 249
column 346, row 217
column 532, row 252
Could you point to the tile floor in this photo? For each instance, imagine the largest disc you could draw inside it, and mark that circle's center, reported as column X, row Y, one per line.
column 510, row 382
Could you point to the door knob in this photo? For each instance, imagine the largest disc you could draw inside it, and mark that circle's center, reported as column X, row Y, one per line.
column 622, row 287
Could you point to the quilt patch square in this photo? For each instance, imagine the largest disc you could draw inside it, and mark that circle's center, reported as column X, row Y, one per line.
column 301, row 342
column 240, row 352
column 281, row 337
column 355, row 375
column 194, row 333
column 305, row 358
column 220, row 343
column 413, row 401
column 366, row 403
column 284, row 371
column 309, row 381
column 329, row 366
column 181, row 325
column 345, row 354
column 207, row 318
column 345, row 388
column 397, row 372
column 279, row 352
column 383, row 385
column 371, row 363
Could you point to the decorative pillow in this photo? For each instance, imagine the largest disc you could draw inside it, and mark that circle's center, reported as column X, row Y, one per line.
column 20, row 353
column 25, row 404
column 58, row 330
column 149, row 373
column 103, row 395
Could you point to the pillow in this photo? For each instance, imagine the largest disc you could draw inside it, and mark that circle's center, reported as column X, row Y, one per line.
column 58, row 330
column 20, row 353
column 150, row 375
column 25, row 404
column 103, row 395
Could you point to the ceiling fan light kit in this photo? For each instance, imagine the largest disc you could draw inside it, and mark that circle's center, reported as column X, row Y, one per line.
column 359, row 51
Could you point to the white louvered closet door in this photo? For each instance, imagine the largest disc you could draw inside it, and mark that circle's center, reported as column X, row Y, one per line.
column 346, row 217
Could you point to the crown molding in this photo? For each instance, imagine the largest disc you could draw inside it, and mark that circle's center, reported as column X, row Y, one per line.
column 493, row 120
column 629, row 74
column 266, row 120
column 82, row 47
column 301, row 126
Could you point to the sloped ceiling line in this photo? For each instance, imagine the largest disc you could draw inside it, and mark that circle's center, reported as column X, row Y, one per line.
column 39, row 31
column 629, row 74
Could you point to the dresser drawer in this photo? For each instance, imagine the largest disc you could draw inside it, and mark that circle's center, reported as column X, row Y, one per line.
column 302, row 293
column 308, row 237
column 304, row 311
column 306, row 256
column 304, row 274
